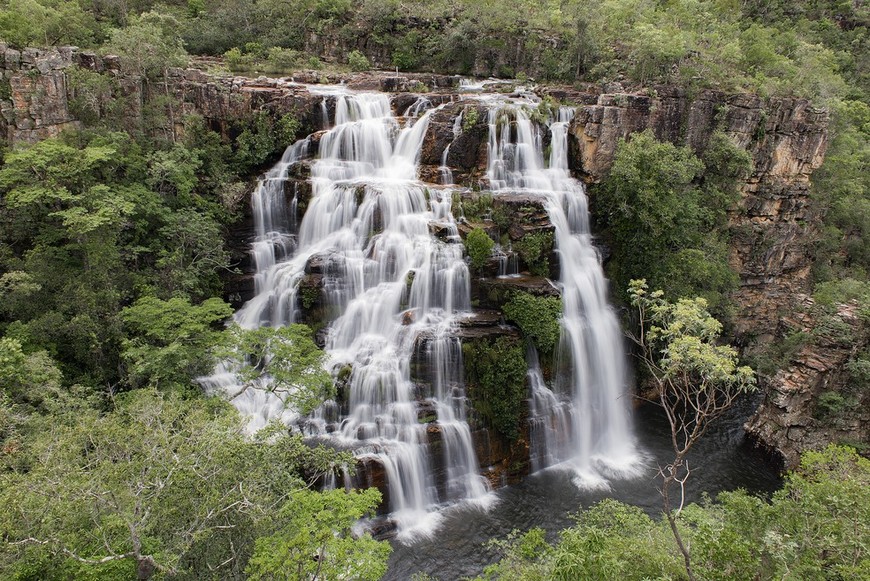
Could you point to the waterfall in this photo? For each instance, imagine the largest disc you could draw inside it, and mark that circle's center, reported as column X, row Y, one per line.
column 584, row 421
column 396, row 292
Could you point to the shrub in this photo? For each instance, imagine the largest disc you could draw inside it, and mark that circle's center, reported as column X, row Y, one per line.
column 535, row 250
column 479, row 246
column 496, row 376
column 358, row 61
column 537, row 317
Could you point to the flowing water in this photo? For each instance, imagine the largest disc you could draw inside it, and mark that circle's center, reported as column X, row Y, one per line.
column 584, row 421
column 397, row 293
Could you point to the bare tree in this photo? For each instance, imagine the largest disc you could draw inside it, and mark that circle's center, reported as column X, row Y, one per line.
column 695, row 381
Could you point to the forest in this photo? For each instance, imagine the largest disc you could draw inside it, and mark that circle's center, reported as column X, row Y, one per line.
column 114, row 463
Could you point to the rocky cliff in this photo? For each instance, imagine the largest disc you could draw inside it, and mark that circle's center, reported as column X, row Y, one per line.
column 772, row 228
column 822, row 395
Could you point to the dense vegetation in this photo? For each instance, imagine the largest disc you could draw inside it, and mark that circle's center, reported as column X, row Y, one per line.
column 113, row 465
column 665, row 223
column 815, row 527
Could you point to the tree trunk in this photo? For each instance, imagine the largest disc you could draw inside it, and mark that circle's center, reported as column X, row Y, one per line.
column 669, row 513
column 145, row 568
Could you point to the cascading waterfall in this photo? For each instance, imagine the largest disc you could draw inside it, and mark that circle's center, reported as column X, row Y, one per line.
column 396, row 294
column 584, row 422
column 444, row 170
column 398, row 291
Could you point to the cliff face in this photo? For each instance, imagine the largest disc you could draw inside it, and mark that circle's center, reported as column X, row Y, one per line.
column 771, row 230
column 33, row 90
column 774, row 225
column 822, row 395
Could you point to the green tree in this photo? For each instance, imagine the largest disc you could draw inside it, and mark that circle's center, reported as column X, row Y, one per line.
column 284, row 361
column 696, row 380
column 815, row 527
column 314, row 540
column 170, row 342
column 161, row 485
column 496, row 375
column 663, row 225
column 358, row 61
column 47, row 23
column 149, row 45
column 479, row 247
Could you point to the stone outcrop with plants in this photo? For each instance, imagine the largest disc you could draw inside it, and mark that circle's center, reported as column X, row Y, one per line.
column 822, row 395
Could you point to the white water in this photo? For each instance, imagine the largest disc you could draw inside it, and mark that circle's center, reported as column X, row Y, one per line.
column 397, row 291
column 584, row 421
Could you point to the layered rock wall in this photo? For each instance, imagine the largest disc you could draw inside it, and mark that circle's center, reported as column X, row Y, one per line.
column 822, row 395
column 33, row 93
column 774, row 224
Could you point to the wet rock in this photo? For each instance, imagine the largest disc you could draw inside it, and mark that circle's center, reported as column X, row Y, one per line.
column 493, row 293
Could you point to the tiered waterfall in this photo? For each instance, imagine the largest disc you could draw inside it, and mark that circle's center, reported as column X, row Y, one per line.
column 397, row 293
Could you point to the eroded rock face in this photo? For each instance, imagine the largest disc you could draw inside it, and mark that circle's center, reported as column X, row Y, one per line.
column 774, row 224
column 815, row 400
column 33, row 98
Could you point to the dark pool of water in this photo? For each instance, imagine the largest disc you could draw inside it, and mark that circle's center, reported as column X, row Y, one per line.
column 459, row 547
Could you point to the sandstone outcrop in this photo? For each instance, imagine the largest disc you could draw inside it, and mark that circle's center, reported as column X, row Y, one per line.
column 821, row 396
column 774, row 224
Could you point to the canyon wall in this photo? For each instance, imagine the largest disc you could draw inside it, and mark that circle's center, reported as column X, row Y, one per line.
column 772, row 229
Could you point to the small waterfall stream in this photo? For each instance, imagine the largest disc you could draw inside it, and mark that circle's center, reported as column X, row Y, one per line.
column 396, row 294
column 584, row 421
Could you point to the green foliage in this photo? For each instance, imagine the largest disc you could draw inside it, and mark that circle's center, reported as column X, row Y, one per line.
column 663, row 226
column 314, row 539
column 32, row 383
column 535, row 250
column 495, row 372
column 829, row 294
column 814, row 528
column 162, row 484
column 522, row 557
column 92, row 221
column 613, row 540
column 149, row 45
column 778, row 354
column 25, row 23
column 171, row 342
column 475, row 207
column 682, row 341
column 538, row 318
column 404, row 60
column 830, row 405
column 284, row 360
column 695, row 379
column 470, row 117
column 358, row 61
column 479, row 247
column 263, row 139
column 842, row 187
column 91, row 94
column 254, row 57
